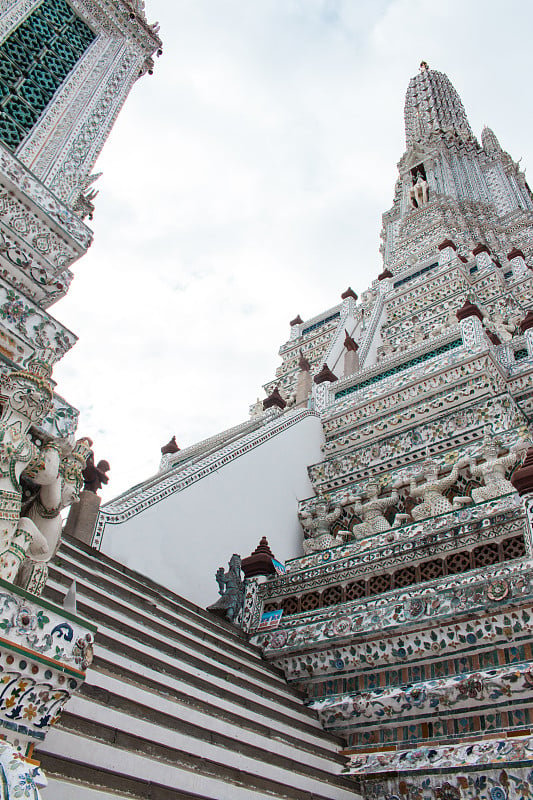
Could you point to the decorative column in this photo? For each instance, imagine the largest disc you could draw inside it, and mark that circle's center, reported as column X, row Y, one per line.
column 257, row 569
column 304, row 383
column 321, row 389
column 471, row 319
column 296, row 327
column 274, row 400
column 482, row 255
column 526, row 326
column 325, row 375
column 351, row 356
column 349, row 300
column 517, row 261
column 83, row 515
column 447, row 252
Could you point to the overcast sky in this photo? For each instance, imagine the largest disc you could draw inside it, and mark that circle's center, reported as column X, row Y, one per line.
column 243, row 183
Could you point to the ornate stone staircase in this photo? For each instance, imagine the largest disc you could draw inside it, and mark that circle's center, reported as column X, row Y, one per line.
column 177, row 704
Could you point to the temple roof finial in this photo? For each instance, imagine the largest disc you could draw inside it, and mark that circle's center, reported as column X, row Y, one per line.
column 489, row 141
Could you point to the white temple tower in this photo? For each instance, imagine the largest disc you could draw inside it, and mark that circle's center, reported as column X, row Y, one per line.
column 407, row 620
column 474, row 194
column 65, row 70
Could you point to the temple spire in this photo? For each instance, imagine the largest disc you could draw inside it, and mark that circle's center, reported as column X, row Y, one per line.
column 432, row 106
column 489, row 141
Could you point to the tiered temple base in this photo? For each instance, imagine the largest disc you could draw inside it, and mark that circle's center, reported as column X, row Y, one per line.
column 415, row 646
column 44, row 652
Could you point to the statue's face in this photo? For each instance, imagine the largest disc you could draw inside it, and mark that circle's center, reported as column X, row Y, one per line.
column 372, row 489
column 321, row 509
column 491, row 451
column 51, row 458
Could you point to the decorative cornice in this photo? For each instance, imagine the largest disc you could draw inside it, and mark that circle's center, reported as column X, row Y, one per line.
column 487, row 688
column 54, row 213
column 431, row 757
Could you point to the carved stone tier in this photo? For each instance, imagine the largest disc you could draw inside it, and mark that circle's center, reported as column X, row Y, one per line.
column 39, row 236
column 383, row 553
column 499, row 753
column 44, row 653
column 409, row 625
column 414, row 651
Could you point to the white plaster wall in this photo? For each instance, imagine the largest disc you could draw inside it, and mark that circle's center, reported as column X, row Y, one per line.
column 182, row 540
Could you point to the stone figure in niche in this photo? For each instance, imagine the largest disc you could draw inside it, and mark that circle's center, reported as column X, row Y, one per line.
column 28, row 396
column 317, row 526
column 503, row 327
column 230, row 589
column 492, row 471
column 432, row 491
column 449, row 321
column 94, row 476
column 418, row 193
column 371, row 511
column 60, row 481
column 386, row 349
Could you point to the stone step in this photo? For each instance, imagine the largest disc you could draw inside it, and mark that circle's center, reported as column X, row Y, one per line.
column 200, row 625
column 178, row 705
column 200, row 693
column 165, row 723
column 124, row 638
column 125, row 753
column 147, row 626
column 197, row 719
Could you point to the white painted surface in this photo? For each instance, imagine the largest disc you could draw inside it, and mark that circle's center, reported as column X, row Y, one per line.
column 182, row 540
